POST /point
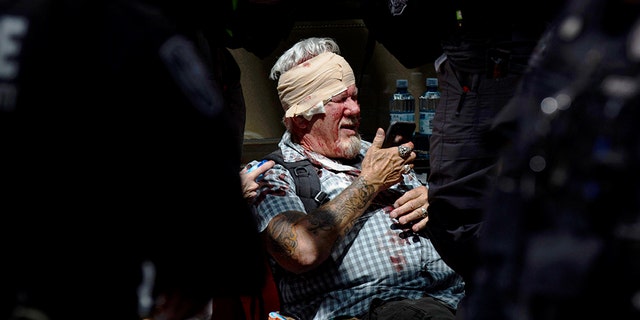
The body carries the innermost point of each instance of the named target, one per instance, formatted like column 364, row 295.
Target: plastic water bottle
column 427, row 104
column 402, row 104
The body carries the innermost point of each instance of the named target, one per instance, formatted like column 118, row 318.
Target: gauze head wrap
column 304, row 87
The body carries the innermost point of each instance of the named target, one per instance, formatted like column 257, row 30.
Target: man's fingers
column 379, row 138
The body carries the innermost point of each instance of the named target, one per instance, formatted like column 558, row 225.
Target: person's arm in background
column 249, row 174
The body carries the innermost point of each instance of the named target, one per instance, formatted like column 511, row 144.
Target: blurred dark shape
column 415, row 31
column 116, row 152
column 563, row 223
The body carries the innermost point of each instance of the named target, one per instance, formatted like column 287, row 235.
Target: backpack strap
column 306, row 179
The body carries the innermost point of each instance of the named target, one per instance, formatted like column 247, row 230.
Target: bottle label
column 402, row 107
column 426, row 122
column 395, row 116
column 402, row 116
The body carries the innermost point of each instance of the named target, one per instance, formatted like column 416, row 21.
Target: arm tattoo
column 344, row 209
column 337, row 216
column 283, row 233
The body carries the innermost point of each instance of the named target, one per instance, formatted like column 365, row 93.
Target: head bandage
column 304, row 87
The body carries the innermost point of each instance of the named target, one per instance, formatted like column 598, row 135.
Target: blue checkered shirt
column 372, row 260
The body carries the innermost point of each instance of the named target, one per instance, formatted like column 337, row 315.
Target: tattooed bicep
column 282, row 233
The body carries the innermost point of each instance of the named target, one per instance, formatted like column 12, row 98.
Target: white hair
column 302, row 51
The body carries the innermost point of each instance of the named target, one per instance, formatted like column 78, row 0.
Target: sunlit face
column 335, row 133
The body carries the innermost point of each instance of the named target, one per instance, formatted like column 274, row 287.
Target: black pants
column 463, row 155
column 426, row 308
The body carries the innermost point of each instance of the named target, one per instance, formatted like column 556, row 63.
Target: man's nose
column 352, row 107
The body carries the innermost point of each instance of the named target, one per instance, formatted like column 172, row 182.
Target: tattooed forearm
column 300, row 242
column 350, row 204
column 356, row 197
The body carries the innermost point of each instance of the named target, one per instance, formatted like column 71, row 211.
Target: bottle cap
column 402, row 83
column 432, row 82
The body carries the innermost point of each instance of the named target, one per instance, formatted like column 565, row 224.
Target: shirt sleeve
column 276, row 194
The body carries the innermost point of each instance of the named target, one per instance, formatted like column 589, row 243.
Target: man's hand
column 384, row 167
column 248, row 179
column 411, row 208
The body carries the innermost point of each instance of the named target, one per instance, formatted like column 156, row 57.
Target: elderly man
column 356, row 255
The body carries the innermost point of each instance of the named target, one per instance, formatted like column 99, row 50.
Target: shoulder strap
column 306, row 179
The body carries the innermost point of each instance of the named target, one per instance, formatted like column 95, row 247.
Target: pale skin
column 249, row 184
column 301, row 241
column 408, row 208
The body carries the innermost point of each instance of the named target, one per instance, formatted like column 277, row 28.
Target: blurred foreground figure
column 115, row 155
column 480, row 52
column 563, row 225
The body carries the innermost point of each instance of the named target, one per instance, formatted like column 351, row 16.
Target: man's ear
column 300, row 122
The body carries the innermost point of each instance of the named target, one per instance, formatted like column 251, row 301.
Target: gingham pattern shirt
column 372, row 260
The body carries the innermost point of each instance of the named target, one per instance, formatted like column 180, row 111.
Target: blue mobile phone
column 255, row 166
